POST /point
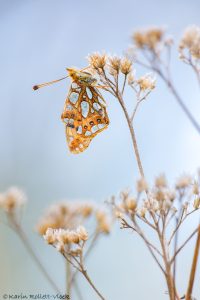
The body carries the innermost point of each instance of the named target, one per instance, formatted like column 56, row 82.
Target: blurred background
column 39, row 39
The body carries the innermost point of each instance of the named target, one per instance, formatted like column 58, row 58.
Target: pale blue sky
column 39, row 39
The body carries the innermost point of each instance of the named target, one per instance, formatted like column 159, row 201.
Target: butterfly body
column 81, row 77
column 84, row 111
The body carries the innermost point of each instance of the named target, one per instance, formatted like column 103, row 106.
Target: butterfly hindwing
column 84, row 116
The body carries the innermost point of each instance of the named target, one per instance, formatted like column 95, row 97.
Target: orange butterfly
column 84, row 113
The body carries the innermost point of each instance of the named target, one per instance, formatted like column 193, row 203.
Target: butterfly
column 84, row 114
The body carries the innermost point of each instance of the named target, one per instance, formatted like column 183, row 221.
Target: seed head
column 82, row 233
column 190, row 41
column 114, row 64
column 183, row 182
column 97, row 60
column 149, row 38
column 130, row 204
column 141, row 185
column 49, row 236
column 147, row 82
column 126, row 66
column 12, row 199
column 196, row 203
column 160, row 181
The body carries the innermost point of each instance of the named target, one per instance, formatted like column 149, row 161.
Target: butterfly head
column 81, row 77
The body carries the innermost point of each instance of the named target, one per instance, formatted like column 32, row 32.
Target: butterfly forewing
column 84, row 116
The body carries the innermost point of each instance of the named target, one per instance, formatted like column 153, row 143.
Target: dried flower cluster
column 158, row 209
column 146, row 82
column 66, row 215
column 148, row 38
column 114, row 64
column 161, row 200
column 191, row 42
column 151, row 49
column 69, row 215
column 62, row 227
column 12, row 200
column 64, row 239
column 71, row 244
column 103, row 63
column 189, row 49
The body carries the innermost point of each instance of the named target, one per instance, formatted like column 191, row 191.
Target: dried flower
column 60, row 247
column 131, row 78
column 87, row 210
column 97, row 60
column 60, row 238
column 149, row 38
column 103, row 223
column 82, row 233
column 12, row 199
column 130, row 204
column 183, row 182
column 147, row 82
column 196, row 203
column 73, row 237
column 118, row 214
column 142, row 212
column 160, row 181
column 126, row 66
column 49, row 236
column 159, row 195
column 191, row 34
column 67, row 215
column 151, row 205
column 196, row 188
column 114, row 64
column 190, row 41
column 171, row 195
column 141, row 185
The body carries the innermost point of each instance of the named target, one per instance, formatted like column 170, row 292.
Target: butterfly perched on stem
column 84, row 113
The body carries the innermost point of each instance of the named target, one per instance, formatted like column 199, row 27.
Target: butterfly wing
column 84, row 115
column 76, row 143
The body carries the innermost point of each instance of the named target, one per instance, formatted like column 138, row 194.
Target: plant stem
column 92, row 285
column 183, row 245
column 68, row 278
column 27, row 245
column 168, row 275
column 133, row 137
column 179, row 100
column 193, row 268
column 96, row 235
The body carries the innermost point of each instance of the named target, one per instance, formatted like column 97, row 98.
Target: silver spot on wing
column 89, row 93
column 94, row 128
column 75, row 85
column 88, row 133
column 73, row 97
column 96, row 106
column 84, row 108
column 66, row 120
column 79, row 130
column 101, row 126
column 69, row 107
column 71, row 121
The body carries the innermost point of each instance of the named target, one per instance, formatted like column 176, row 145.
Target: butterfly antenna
column 38, row 86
